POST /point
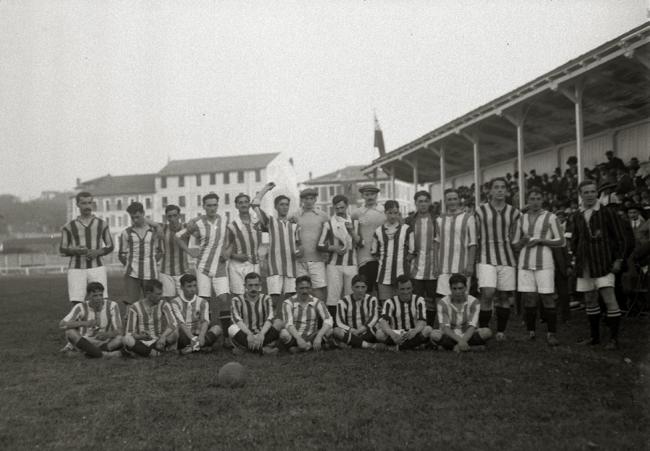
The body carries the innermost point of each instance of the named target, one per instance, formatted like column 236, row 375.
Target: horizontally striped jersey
column 497, row 230
column 283, row 238
column 252, row 313
column 245, row 239
column 304, row 315
column 107, row 316
column 174, row 261
column 425, row 263
column 459, row 318
column 456, row 233
column 150, row 320
column 335, row 232
column 190, row 312
column 352, row 313
column 140, row 253
column 211, row 236
column 544, row 226
column 392, row 246
column 96, row 235
column 404, row 315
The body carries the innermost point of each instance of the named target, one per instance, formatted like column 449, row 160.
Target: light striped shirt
column 283, row 238
column 304, row 315
column 497, row 232
column 404, row 315
column 392, row 246
column 174, row 261
column 351, row 313
column 252, row 313
column 459, row 318
column 456, row 233
column 140, row 252
column 425, row 264
column 190, row 312
column 75, row 233
column 327, row 238
column 107, row 317
column 245, row 239
column 149, row 320
column 543, row 226
column 211, row 236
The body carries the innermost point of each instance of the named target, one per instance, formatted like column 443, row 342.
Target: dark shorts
column 370, row 270
column 449, row 343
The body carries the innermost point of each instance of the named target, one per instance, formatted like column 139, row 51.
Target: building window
column 147, row 203
column 163, row 182
column 164, row 201
column 119, row 221
column 332, row 190
column 213, row 179
column 181, row 201
column 198, row 200
column 112, row 221
column 323, row 193
column 107, row 205
column 95, row 205
column 181, row 181
column 240, row 176
column 227, row 216
column 226, row 178
column 198, row 179
column 227, row 198
column 331, row 209
column 119, row 204
column 131, row 200
column 339, row 189
column 258, row 175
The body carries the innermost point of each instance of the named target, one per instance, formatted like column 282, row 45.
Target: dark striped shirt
column 392, row 249
column 351, row 313
column 253, row 314
column 497, row 229
column 75, row 233
column 140, row 252
column 327, row 238
column 404, row 315
column 174, row 261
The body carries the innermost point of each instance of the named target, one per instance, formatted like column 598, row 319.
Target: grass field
column 517, row 395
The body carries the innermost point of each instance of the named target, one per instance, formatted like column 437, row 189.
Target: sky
column 95, row 87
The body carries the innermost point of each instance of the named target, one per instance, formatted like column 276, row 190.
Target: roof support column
column 443, row 178
column 517, row 118
column 575, row 95
column 474, row 139
column 414, row 166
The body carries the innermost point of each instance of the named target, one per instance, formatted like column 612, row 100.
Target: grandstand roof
column 218, row 164
column 615, row 76
column 346, row 175
column 109, row 185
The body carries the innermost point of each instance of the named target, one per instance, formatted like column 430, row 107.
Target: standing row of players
column 514, row 252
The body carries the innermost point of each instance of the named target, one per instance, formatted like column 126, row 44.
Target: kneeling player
column 192, row 315
column 93, row 326
column 356, row 317
column 458, row 317
column 301, row 313
column 403, row 322
column 254, row 326
column 150, row 323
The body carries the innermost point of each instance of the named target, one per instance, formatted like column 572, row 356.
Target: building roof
column 109, row 185
column 346, row 175
column 218, row 164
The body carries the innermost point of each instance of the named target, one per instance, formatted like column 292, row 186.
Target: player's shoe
column 186, row 350
column 552, row 340
column 67, row 348
column 381, row 347
column 195, row 344
column 267, row 350
column 501, row 336
column 111, row 354
column 612, row 345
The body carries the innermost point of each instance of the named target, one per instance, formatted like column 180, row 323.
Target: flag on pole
column 379, row 138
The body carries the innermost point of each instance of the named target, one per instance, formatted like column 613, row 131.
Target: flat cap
column 309, row 192
column 370, row 188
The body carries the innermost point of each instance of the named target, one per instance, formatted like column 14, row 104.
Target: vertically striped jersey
column 352, row 313
column 497, row 230
column 107, row 317
column 392, row 247
column 190, row 312
column 404, row 315
column 425, row 264
column 304, row 315
column 252, row 313
column 459, row 318
column 140, row 252
column 544, row 226
column 211, row 236
column 245, row 239
column 76, row 234
column 283, row 237
column 335, row 232
column 150, row 320
column 456, row 233
column 174, row 261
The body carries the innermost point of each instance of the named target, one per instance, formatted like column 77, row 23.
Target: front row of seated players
column 154, row 325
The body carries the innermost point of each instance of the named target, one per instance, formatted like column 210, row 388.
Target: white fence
column 39, row 263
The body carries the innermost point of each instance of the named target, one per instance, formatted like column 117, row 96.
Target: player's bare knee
column 530, row 299
column 232, row 330
column 278, row 324
column 435, row 335
column 548, row 300
column 129, row 341
column 338, row 333
column 285, row 335
column 72, row 335
column 216, row 330
column 380, row 336
column 426, row 332
column 485, row 333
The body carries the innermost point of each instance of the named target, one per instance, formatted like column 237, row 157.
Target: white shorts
column 503, row 278
column 237, row 272
column 315, row 270
column 339, row 282
column 443, row 287
column 171, row 284
column 78, row 280
column 281, row 284
column 206, row 284
column 536, row 281
column 586, row 284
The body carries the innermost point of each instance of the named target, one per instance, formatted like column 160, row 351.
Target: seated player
column 458, row 318
column 301, row 314
column 403, row 323
column 150, row 323
column 356, row 317
column 94, row 326
column 192, row 315
column 254, row 326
